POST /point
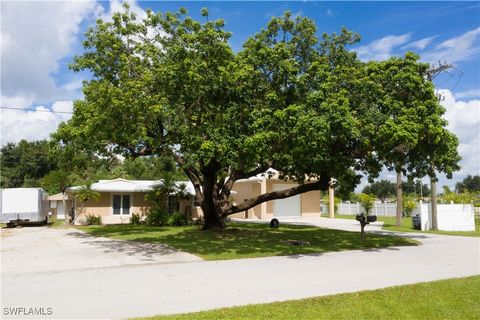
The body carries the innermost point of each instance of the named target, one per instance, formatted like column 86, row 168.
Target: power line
column 50, row 111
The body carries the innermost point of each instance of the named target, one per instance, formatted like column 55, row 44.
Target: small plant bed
column 249, row 240
column 407, row 226
column 446, row 299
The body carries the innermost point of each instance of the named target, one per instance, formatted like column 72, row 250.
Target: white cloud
column 381, row 49
column 474, row 93
column 36, row 36
column 464, row 120
column 117, row 6
column 31, row 125
column 329, row 12
column 461, row 48
column 419, row 44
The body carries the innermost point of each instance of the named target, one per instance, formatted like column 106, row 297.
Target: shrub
column 157, row 217
column 93, row 220
column 409, row 205
column 136, row 219
column 177, row 219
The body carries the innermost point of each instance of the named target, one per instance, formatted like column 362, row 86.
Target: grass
column 56, row 223
column 248, row 240
column 446, row 299
column 407, row 226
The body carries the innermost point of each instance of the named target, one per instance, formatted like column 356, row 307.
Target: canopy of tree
column 303, row 105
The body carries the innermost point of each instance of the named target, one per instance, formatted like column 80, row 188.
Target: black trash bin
column 417, row 222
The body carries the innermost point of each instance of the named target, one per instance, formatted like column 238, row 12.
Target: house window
column 121, row 204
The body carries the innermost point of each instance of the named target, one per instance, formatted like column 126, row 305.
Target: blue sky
column 40, row 38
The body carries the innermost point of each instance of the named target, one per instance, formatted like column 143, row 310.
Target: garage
column 288, row 207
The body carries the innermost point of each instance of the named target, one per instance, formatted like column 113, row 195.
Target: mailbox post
column 364, row 220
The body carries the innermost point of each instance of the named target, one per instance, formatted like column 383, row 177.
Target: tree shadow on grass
column 241, row 240
column 244, row 241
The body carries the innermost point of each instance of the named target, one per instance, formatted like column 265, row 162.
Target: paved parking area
column 44, row 249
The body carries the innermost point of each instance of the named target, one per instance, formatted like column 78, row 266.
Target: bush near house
column 93, row 220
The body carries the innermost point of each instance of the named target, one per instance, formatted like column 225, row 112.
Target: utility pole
column 431, row 74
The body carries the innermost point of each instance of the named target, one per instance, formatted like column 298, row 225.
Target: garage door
column 288, row 207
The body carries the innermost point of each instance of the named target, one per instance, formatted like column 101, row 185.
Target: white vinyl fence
column 379, row 209
column 450, row 217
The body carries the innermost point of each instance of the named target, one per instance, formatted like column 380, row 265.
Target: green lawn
column 56, row 223
column 407, row 226
column 242, row 240
column 447, row 299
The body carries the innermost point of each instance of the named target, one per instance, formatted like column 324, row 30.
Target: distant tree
column 470, row 183
column 416, row 187
column 381, row 189
column 24, row 163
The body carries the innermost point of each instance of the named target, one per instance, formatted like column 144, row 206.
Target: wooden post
column 433, row 190
column 331, row 202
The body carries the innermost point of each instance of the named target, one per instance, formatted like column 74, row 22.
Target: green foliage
column 303, row 105
column 93, row 220
column 470, row 183
column 157, row 217
column 409, row 204
column 136, row 219
column 461, row 198
column 381, row 189
column 177, row 219
column 367, row 201
column 416, row 188
column 24, row 163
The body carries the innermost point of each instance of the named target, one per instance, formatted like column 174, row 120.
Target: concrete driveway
column 43, row 249
column 149, row 288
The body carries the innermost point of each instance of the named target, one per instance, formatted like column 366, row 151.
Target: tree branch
column 321, row 184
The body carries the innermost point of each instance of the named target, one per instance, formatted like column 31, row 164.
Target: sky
column 39, row 39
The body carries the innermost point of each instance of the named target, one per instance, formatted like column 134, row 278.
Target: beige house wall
column 247, row 190
column 310, row 201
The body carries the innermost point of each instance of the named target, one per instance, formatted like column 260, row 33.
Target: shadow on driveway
column 132, row 248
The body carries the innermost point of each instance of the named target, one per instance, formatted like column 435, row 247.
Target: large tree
column 411, row 135
column 171, row 85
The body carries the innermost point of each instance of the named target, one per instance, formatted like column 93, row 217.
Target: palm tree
column 84, row 194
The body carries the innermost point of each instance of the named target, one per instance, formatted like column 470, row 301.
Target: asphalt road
column 110, row 291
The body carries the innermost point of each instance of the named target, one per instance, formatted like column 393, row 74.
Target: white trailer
column 23, row 205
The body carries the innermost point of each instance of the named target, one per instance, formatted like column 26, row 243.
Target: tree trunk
column 213, row 219
column 433, row 196
column 399, row 199
column 212, row 213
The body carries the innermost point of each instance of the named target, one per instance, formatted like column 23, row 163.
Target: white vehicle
column 23, row 205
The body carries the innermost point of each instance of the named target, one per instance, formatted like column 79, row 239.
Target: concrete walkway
column 156, row 288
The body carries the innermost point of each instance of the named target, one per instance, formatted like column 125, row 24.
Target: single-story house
column 58, row 204
column 120, row 198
